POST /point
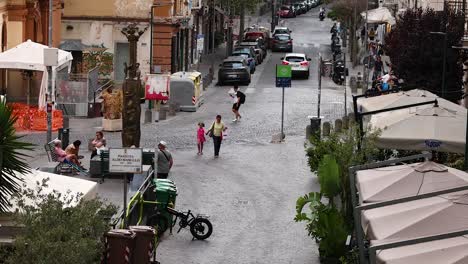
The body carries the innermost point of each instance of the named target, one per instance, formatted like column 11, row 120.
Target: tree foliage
column 59, row 228
column 12, row 156
column 417, row 55
column 343, row 146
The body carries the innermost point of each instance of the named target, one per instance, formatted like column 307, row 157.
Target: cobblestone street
column 251, row 190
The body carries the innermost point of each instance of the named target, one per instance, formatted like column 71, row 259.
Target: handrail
column 141, row 190
column 101, row 88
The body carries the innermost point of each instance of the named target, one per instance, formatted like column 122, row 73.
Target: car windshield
column 233, row 65
column 242, row 50
column 282, row 37
column 281, row 31
column 285, row 8
column 245, row 55
column 295, row 59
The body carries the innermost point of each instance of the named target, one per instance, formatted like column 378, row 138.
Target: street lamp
column 444, row 59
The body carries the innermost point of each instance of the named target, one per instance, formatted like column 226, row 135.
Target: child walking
column 200, row 137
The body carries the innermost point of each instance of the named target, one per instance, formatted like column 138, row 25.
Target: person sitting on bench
column 99, row 142
column 62, row 156
column 74, row 148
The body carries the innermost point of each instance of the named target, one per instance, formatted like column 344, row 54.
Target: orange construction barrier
column 31, row 118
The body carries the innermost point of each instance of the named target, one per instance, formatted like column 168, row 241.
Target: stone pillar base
column 112, row 125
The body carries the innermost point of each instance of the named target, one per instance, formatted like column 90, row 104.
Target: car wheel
column 307, row 74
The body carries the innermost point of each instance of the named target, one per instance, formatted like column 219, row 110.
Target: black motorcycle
column 200, row 227
column 339, row 72
column 322, row 15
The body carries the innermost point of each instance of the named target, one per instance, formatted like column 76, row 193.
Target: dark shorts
column 236, row 106
column 162, row 175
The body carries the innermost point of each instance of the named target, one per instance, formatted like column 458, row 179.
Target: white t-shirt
column 386, row 78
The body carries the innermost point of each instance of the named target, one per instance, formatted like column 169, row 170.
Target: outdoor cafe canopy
column 447, row 251
column 59, row 183
column 30, row 56
column 430, row 216
column 435, row 128
column 393, row 182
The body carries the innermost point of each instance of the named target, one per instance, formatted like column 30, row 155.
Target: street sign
column 125, row 160
column 283, row 75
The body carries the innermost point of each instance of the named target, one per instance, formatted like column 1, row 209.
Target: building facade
column 91, row 30
column 21, row 20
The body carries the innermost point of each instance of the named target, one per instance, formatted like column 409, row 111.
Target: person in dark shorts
column 238, row 99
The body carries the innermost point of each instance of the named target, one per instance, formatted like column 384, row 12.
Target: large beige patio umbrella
column 393, row 182
column 434, row 128
column 404, row 98
column 436, row 215
column 447, row 251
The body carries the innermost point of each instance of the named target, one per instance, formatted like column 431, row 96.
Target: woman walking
column 216, row 132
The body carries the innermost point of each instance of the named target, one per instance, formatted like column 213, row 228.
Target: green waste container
column 166, row 193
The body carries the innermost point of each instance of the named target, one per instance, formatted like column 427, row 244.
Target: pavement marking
column 249, row 90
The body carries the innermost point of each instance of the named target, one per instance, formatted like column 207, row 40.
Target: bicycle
column 200, row 227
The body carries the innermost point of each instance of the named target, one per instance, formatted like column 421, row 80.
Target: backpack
column 241, row 96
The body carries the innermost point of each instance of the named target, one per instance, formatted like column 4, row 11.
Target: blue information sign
column 283, row 82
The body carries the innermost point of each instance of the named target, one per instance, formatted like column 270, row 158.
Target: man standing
column 238, row 99
column 163, row 161
column 378, row 68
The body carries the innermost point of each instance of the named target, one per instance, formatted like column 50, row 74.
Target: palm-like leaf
column 12, row 161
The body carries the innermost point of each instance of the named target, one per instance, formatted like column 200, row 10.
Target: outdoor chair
column 64, row 167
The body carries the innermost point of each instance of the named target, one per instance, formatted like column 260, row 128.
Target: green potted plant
column 325, row 223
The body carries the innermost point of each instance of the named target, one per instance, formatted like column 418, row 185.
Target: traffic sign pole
column 282, row 116
column 283, row 80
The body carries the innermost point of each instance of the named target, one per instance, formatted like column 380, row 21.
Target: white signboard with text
column 125, row 160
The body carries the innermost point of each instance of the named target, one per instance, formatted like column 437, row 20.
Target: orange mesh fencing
column 31, row 118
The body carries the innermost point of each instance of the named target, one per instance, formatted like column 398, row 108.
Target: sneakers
column 234, row 120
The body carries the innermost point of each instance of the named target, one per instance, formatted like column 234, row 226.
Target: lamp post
column 444, row 63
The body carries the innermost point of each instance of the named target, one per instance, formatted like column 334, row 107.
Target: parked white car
column 300, row 63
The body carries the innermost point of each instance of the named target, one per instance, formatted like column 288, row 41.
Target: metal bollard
column 352, row 120
column 163, row 113
column 338, row 125
column 326, row 129
column 345, row 122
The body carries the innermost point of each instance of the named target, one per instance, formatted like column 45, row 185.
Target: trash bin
column 120, row 244
column 166, row 193
column 64, row 136
column 144, row 244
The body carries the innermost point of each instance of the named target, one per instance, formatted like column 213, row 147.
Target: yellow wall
column 15, row 33
column 107, row 8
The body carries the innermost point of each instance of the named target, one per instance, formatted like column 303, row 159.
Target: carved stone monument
column 131, row 101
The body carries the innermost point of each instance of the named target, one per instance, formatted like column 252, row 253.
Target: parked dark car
column 249, row 55
column 282, row 42
column 286, row 11
column 259, row 49
column 234, row 69
column 262, row 43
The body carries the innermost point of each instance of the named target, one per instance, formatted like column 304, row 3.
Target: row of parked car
column 298, row 8
column 247, row 54
column 251, row 51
